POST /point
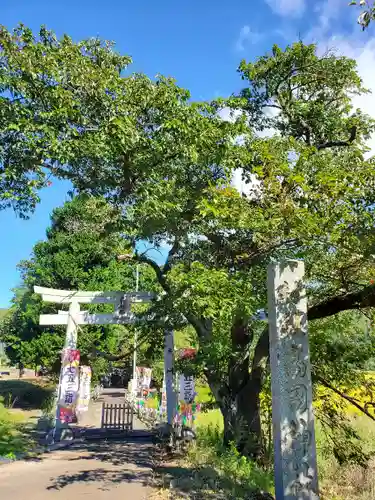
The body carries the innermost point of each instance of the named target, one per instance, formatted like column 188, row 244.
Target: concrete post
column 293, row 419
column 169, row 374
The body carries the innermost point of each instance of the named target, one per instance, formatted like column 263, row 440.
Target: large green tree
column 80, row 252
column 70, row 110
column 167, row 164
column 310, row 195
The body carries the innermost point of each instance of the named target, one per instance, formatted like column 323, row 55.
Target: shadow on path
column 120, row 462
column 116, row 453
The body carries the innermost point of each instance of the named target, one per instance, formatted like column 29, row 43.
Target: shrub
column 225, row 469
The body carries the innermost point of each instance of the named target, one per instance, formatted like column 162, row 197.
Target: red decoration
column 187, row 353
column 70, row 355
column 67, row 415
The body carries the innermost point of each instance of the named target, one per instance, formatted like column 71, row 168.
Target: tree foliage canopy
column 166, row 164
column 80, row 252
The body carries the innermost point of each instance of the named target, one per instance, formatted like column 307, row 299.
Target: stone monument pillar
column 293, row 419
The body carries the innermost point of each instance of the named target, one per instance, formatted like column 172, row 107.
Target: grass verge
column 15, row 434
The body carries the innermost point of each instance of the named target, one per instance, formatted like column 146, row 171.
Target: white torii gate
column 75, row 317
column 122, row 315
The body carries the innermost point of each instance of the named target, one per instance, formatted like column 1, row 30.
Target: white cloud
column 329, row 11
column 242, row 37
column 328, row 14
column 290, row 8
column 252, row 189
column 246, row 35
column 229, row 114
column 268, row 132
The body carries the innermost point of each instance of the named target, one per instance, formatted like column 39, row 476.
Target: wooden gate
column 117, row 417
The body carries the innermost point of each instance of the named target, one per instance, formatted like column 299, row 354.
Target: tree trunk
column 238, row 394
column 241, row 414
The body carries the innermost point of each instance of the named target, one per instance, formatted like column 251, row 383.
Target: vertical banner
column 143, row 378
column 187, row 408
column 84, row 388
column 69, row 384
column 163, row 403
column 187, row 388
column 146, row 381
column 138, row 379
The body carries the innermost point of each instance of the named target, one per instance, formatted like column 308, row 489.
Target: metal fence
column 117, row 416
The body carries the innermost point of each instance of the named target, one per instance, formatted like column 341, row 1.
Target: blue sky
column 200, row 43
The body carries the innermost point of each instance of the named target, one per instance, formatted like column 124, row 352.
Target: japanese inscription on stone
column 293, row 421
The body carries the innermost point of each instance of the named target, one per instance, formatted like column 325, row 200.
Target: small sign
column 187, row 388
column 84, row 389
column 122, row 309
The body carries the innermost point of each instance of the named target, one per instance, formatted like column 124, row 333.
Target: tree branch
column 202, row 326
column 172, row 252
column 109, row 357
column 343, row 395
column 356, row 300
column 142, row 258
column 276, row 106
column 331, row 144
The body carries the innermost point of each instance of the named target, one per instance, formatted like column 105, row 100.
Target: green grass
column 236, row 477
column 337, row 482
column 18, row 425
column 203, row 394
column 348, row 481
column 211, row 418
column 14, row 434
column 220, row 472
column 25, row 393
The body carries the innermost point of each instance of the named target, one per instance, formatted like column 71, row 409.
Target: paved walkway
column 97, row 470
column 102, row 470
